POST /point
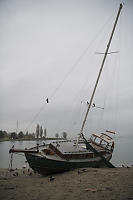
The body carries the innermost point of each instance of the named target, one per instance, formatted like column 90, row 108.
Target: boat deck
column 72, row 148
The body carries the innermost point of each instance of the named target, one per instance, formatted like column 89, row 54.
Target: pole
column 17, row 128
column 101, row 68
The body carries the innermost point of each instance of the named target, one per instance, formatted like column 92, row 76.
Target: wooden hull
column 47, row 166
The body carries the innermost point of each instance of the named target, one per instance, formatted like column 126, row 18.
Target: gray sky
column 48, row 50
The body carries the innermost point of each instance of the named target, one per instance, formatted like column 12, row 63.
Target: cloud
column 48, row 50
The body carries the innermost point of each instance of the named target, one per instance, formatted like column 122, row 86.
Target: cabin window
column 104, row 144
column 109, row 147
column 97, row 140
column 93, row 138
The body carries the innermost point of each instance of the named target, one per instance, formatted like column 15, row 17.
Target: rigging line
column 101, row 68
column 74, row 123
column 35, row 116
column 79, row 99
column 81, row 56
column 73, row 67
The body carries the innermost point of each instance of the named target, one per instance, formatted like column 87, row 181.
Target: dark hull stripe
column 47, row 166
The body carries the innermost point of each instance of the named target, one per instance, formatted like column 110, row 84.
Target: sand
column 90, row 183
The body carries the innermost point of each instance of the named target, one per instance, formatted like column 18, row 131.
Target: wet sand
column 90, row 183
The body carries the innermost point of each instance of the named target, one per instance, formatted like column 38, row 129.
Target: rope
column 34, row 118
column 82, row 55
column 10, row 164
column 69, row 72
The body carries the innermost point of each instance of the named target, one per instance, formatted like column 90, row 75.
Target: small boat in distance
column 60, row 156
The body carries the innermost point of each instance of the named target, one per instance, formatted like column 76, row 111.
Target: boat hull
column 47, row 166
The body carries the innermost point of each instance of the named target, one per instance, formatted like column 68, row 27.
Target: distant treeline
column 14, row 135
column 40, row 133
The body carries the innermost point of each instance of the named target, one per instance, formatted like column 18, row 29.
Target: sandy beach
column 83, row 184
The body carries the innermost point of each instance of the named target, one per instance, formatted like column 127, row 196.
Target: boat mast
column 100, row 71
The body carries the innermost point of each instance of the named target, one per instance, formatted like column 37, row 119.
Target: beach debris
column 79, row 172
column 2, row 177
column 16, row 173
column 82, row 171
column 51, row 178
column 90, row 190
column 9, row 188
column 94, row 170
column 108, row 188
column 30, row 174
column 11, row 170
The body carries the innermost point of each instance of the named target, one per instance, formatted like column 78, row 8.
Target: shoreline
column 90, row 183
column 29, row 139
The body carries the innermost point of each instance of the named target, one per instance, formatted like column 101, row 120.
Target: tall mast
column 101, row 68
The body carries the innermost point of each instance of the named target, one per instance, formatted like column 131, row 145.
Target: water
column 123, row 152
column 18, row 159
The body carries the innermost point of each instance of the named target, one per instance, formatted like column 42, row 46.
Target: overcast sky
column 48, row 50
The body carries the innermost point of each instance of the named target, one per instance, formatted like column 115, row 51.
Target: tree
column 2, row 135
column 13, row 135
column 57, row 135
column 45, row 132
column 64, row 134
column 5, row 134
column 33, row 135
column 41, row 131
column 20, row 135
column 27, row 133
column 37, row 131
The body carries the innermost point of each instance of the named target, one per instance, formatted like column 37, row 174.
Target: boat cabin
column 68, row 150
column 103, row 140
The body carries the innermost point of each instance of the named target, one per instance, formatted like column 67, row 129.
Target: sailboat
column 59, row 156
